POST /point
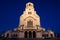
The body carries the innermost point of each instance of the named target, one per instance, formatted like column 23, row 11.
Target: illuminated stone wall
column 29, row 14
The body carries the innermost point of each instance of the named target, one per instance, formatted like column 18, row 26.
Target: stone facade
column 29, row 25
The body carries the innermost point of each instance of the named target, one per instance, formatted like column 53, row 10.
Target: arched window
column 30, row 34
column 34, row 34
column 29, row 12
column 29, row 23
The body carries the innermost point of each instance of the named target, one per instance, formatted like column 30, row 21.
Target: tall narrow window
column 30, row 34
column 29, row 23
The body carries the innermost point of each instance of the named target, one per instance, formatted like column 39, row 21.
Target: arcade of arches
column 30, row 34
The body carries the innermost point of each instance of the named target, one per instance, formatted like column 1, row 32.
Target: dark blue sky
column 48, row 10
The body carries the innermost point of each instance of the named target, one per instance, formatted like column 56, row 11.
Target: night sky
column 48, row 10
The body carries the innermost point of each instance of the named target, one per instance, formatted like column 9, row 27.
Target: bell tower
column 29, row 17
column 29, row 7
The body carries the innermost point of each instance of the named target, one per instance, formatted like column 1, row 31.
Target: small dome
column 29, row 4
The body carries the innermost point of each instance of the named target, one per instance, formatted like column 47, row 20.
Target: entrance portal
column 30, row 34
column 26, row 34
column 34, row 34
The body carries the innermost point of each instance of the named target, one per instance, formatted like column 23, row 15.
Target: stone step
column 29, row 39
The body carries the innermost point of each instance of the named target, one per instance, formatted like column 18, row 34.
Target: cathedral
column 29, row 25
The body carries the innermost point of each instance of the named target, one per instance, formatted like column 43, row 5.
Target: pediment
column 29, row 17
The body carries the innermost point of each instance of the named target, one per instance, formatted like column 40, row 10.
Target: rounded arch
column 25, row 34
column 30, row 34
column 29, row 17
column 52, row 35
column 34, row 34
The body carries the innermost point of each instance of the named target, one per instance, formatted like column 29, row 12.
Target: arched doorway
column 7, row 35
column 30, row 34
column 34, row 34
column 51, row 35
column 26, row 34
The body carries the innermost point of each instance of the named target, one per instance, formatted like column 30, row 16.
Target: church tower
column 29, row 18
